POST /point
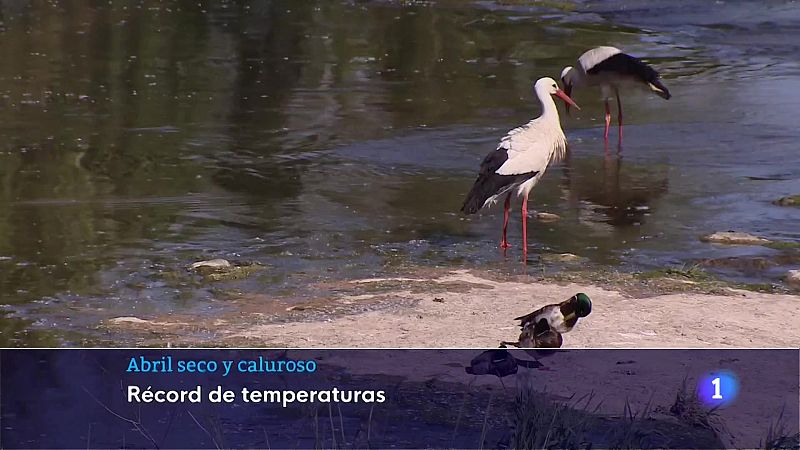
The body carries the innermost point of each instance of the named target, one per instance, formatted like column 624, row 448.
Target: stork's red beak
column 568, row 91
column 560, row 94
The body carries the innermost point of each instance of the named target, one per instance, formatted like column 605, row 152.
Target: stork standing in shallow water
column 521, row 159
column 610, row 69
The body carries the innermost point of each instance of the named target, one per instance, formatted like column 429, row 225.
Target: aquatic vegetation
column 782, row 245
column 691, row 272
column 562, row 5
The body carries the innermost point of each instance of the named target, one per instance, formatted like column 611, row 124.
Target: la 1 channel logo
column 717, row 389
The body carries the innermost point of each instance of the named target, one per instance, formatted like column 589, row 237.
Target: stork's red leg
column 619, row 116
column 524, row 227
column 608, row 121
column 504, row 241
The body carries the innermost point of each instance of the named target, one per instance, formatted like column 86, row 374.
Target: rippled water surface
column 335, row 139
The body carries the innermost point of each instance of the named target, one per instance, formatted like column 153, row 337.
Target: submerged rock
column 793, row 277
column 133, row 320
column 790, row 200
column 224, row 270
column 561, row 257
column 547, row 217
column 212, row 264
column 734, row 238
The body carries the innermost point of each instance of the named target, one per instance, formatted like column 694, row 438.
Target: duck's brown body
column 538, row 336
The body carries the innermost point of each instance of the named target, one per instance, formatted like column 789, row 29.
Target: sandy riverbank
column 466, row 309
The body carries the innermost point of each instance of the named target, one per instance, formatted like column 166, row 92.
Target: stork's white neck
column 549, row 109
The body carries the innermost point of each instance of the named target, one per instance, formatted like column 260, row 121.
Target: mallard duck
column 543, row 327
column 561, row 317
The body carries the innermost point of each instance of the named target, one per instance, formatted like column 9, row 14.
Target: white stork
column 610, row 69
column 519, row 161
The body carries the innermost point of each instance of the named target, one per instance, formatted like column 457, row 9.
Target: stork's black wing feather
column 624, row 64
column 493, row 161
column 630, row 66
column 490, row 183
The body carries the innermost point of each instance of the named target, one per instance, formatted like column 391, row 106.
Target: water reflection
column 626, row 194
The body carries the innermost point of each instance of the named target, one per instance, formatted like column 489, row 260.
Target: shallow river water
column 337, row 139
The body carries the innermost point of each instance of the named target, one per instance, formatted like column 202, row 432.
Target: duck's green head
column 583, row 305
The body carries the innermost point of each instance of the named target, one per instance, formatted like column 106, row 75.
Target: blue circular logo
column 717, row 389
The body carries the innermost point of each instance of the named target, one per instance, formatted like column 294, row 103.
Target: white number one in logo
column 716, row 383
